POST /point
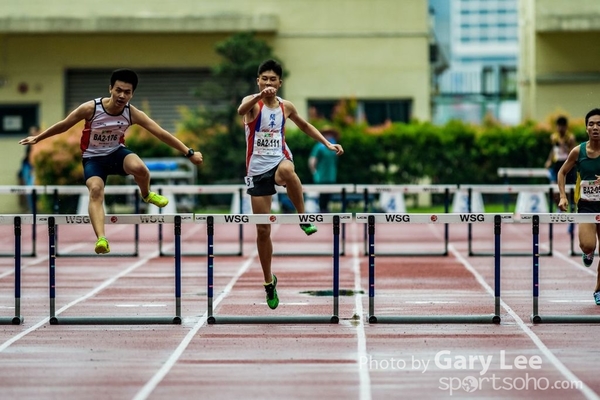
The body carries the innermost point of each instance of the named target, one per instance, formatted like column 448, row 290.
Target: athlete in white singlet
column 103, row 146
column 269, row 160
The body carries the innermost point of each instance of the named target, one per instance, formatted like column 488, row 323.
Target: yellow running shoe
column 102, row 246
column 156, row 199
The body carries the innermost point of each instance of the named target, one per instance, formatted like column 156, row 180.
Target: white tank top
column 265, row 140
column 104, row 133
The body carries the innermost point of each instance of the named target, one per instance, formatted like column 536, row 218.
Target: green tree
column 234, row 78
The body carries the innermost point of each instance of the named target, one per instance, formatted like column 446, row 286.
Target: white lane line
column 106, row 283
column 172, row 360
column 567, row 373
column 361, row 337
column 166, row 367
column 94, row 291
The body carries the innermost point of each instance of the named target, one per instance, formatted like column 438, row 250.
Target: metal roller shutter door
column 160, row 93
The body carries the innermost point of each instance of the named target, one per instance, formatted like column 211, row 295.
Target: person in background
column 586, row 159
column 269, row 160
column 26, row 174
column 563, row 142
column 323, row 165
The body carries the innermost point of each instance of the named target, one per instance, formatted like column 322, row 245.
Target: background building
column 480, row 39
column 55, row 55
column 559, row 64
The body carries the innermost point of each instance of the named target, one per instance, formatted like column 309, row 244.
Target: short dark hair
column 562, row 121
column 124, row 75
column 270, row 65
column 595, row 111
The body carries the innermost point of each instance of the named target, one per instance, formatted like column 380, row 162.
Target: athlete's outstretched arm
column 142, row 119
column 84, row 111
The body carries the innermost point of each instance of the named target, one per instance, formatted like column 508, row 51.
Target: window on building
column 508, row 81
column 373, row 111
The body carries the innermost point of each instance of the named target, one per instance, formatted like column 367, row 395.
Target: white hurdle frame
column 507, row 189
column 211, row 220
column 408, row 189
column 17, row 221
column 373, row 218
column 202, row 190
column 34, row 191
column 57, row 190
column 554, row 218
column 342, row 190
column 53, row 221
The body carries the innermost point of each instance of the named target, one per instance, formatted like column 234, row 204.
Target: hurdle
column 407, row 189
column 505, row 189
column 372, row 219
column 535, row 220
column 26, row 190
column 81, row 219
column 54, row 220
column 211, row 220
column 203, row 190
column 342, row 190
column 17, row 221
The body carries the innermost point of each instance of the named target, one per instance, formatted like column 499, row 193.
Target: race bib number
column 249, row 182
column 589, row 190
column 267, row 143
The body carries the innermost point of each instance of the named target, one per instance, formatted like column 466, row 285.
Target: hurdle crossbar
column 342, row 190
column 373, row 219
column 196, row 190
column 32, row 191
column 535, row 220
column 505, row 189
column 84, row 219
column 17, row 221
column 210, row 220
column 54, row 220
column 408, row 189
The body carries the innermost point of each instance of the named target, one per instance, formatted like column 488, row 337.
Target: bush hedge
column 397, row 153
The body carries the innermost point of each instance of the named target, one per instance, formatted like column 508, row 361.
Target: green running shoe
column 588, row 260
column 271, row 289
column 309, row 229
column 156, row 199
column 102, row 246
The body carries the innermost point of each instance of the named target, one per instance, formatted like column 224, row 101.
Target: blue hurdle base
column 115, row 320
column 16, row 320
column 565, row 319
column 435, row 319
column 233, row 319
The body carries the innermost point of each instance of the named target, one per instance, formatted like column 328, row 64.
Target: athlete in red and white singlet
column 104, row 133
column 265, row 140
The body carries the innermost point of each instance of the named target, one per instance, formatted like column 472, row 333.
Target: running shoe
column 271, row 289
column 588, row 260
column 309, row 229
column 597, row 297
column 102, row 246
column 156, row 199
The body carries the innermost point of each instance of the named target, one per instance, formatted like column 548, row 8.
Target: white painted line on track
column 361, row 337
column 172, row 360
column 94, row 291
column 567, row 373
column 164, row 370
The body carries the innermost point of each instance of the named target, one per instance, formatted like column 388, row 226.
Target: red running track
column 349, row 360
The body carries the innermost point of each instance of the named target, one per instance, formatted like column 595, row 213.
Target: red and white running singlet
column 265, row 140
column 104, row 133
